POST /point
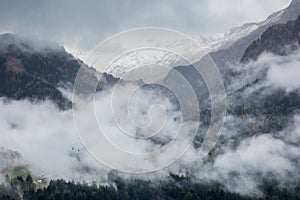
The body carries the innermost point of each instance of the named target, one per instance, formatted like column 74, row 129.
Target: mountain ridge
column 275, row 39
column 37, row 70
column 235, row 52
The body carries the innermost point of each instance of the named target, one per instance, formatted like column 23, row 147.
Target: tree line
column 127, row 189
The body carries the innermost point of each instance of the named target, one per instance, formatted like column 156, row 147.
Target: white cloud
column 285, row 75
column 259, row 154
column 48, row 142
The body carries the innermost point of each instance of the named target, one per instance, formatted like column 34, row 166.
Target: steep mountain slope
column 223, row 48
column 185, row 48
column 258, row 106
column 37, row 70
column 235, row 52
column 278, row 39
column 34, row 72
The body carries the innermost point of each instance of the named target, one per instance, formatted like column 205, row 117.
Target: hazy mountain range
column 259, row 64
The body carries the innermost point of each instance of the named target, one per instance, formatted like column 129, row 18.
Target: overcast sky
column 82, row 24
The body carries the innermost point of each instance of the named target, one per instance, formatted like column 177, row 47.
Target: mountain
column 237, row 33
column 34, row 71
column 260, row 139
column 223, row 49
column 278, row 39
column 234, row 52
column 248, row 93
column 37, row 70
column 184, row 47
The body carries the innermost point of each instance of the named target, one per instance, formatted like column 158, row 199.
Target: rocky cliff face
column 278, row 39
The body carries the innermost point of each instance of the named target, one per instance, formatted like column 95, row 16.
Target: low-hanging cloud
column 49, row 143
column 47, row 139
column 285, row 73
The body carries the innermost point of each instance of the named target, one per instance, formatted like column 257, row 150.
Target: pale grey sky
column 82, row 24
